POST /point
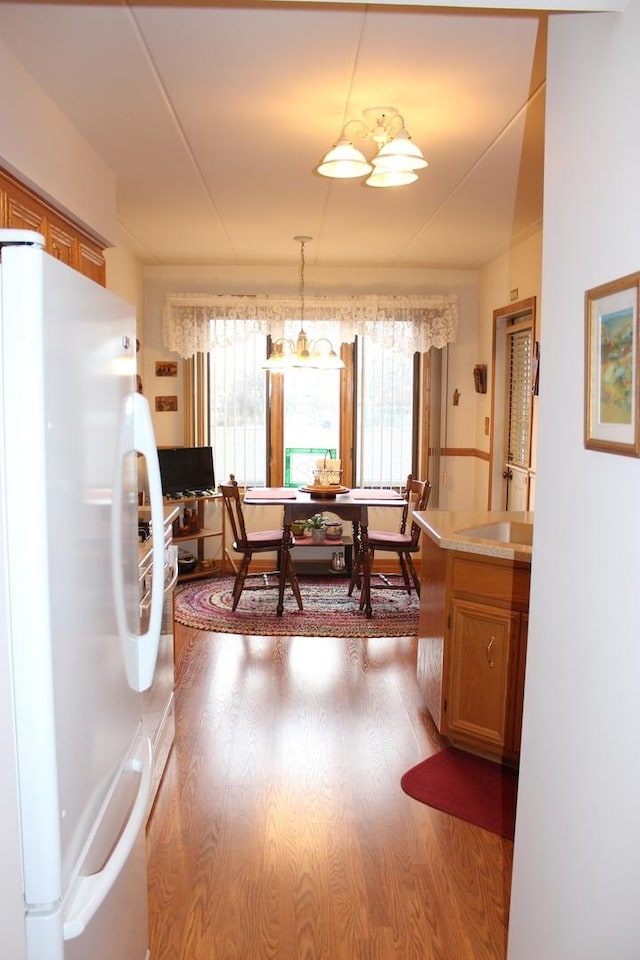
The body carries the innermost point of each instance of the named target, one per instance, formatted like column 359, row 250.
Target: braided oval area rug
column 328, row 610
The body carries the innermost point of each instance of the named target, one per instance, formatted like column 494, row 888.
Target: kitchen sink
column 503, row 531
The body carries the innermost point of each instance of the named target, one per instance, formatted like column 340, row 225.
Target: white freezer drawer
column 104, row 914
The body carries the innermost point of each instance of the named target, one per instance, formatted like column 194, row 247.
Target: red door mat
column 468, row 787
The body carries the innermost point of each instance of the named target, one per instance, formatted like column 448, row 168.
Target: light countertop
column 444, row 528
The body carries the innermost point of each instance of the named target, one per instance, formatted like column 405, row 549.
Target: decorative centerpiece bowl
column 333, row 530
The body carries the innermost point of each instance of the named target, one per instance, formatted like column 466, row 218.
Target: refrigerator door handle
column 140, row 650
column 92, row 890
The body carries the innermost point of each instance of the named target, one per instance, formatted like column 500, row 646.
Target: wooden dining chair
column 261, row 541
column 404, row 543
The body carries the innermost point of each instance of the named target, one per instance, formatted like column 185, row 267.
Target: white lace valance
column 409, row 323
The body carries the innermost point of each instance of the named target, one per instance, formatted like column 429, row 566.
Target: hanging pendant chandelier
column 304, row 353
column 396, row 161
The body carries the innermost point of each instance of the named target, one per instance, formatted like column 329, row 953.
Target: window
column 384, row 413
column 238, row 409
column 386, row 417
column 312, row 409
column 245, row 414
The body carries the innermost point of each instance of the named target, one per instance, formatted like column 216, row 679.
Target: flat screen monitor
column 186, row 470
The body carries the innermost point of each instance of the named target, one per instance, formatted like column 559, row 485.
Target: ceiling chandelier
column 304, row 353
column 396, row 161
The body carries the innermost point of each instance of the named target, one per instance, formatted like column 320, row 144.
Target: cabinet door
column 24, row 216
column 61, row 243
column 91, row 262
column 478, row 670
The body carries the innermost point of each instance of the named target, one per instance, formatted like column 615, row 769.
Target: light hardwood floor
column 280, row 829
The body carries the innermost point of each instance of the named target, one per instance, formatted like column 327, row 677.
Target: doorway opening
column 512, row 473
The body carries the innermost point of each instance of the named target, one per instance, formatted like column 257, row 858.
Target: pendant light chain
column 318, row 355
column 302, row 343
column 301, row 288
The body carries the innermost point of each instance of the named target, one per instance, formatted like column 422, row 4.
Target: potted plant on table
column 316, row 524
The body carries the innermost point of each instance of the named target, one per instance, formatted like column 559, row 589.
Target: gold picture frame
column 166, row 404
column 612, row 355
column 166, row 368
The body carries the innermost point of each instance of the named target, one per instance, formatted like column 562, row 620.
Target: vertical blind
column 519, row 361
column 228, row 399
column 237, row 403
column 385, row 416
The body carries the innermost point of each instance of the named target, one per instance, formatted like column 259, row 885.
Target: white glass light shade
column 324, row 357
column 382, row 177
column 314, row 355
column 400, row 154
column 277, row 364
column 344, row 162
column 280, row 356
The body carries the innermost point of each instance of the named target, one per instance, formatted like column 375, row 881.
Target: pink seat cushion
column 264, row 538
column 386, row 540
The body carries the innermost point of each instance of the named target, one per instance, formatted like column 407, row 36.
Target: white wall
column 125, row 278
column 457, row 472
column 519, row 273
column 38, row 143
column 464, row 479
column 575, row 880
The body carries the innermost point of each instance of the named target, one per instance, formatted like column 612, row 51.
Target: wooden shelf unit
column 204, row 568
column 315, row 558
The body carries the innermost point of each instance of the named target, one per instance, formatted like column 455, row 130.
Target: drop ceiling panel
column 213, row 117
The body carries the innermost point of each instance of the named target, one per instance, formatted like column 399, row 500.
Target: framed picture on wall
column 166, row 368
column 612, row 408
column 166, row 404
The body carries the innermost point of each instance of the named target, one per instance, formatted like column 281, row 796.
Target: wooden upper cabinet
column 91, row 261
column 60, row 242
column 23, row 216
column 20, row 209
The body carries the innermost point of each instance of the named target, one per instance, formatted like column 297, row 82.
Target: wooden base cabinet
column 477, row 620
column 479, row 666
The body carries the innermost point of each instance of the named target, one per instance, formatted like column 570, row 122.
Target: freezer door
column 68, row 356
column 106, row 911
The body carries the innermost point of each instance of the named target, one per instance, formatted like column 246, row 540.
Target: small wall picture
column 612, row 392
column 166, row 368
column 166, row 404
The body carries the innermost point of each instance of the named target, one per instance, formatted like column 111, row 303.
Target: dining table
column 300, row 503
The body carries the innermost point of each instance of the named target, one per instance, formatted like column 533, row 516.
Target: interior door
column 513, row 406
column 518, row 411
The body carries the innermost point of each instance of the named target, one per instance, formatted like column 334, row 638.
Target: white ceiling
column 213, row 116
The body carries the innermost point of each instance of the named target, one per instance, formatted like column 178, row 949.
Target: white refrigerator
column 76, row 770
